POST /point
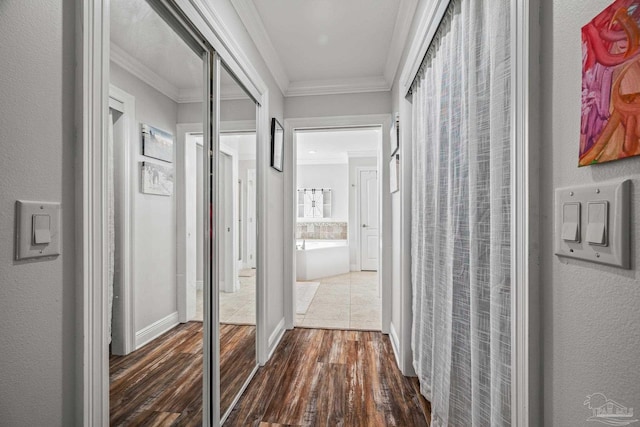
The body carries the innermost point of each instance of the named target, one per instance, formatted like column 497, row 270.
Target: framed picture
column 277, row 145
column 394, row 173
column 610, row 85
column 156, row 179
column 157, row 143
column 395, row 135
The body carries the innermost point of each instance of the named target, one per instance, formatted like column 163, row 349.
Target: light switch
column 37, row 230
column 571, row 222
column 601, row 214
column 597, row 216
column 41, row 229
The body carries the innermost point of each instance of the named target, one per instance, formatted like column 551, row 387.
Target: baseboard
column 199, row 285
column 395, row 344
column 154, row 330
column 276, row 337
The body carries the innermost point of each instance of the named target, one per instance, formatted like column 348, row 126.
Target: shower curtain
column 461, row 217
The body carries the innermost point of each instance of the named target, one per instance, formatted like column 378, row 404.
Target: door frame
column 382, row 121
column 127, row 214
column 92, row 90
column 358, row 208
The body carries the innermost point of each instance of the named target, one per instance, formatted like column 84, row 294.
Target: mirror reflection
column 237, row 238
column 155, row 285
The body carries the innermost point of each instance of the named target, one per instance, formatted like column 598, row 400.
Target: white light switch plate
column 616, row 249
column 25, row 242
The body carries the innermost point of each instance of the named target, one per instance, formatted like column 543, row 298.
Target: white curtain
column 461, row 217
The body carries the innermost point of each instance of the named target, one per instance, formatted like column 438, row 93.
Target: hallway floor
column 348, row 301
column 327, row 377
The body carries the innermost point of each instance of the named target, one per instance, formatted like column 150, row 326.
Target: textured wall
column 37, row 299
column 590, row 313
column 155, row 216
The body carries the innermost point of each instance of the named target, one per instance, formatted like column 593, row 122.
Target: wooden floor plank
column 331, row 378
column 161, row 383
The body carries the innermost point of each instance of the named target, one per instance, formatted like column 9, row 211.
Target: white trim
column 181, row 96
column 395, row 342
column 127, row 214
column 427, row 27
column 276, row 337
column 406, row 12
column 525, row 355
column 338, row 86
column 290, row 191
column 91, row 113
column 157, row 328
column 183, row 194
column 141, row 71
column 255, row 27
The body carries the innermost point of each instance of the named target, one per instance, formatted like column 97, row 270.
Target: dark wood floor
column 161, row 384
column 331, row 378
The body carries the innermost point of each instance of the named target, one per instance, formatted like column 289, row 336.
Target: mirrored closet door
column 158, row 285
column 236, row 238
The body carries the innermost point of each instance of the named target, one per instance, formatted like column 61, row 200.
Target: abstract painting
column 157, row 143
column 610, row 128
column 156, row 179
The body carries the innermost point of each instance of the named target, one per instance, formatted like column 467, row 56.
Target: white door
column 251, row 219
column 369, row 233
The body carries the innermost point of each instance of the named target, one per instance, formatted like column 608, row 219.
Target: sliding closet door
column 236, row 239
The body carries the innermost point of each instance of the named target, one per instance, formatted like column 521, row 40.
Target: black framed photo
column 277, row 145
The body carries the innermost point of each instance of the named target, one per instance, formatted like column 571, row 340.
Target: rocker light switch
column 571, row 222
column 41, row 229
column 37, row 230
column 597, row 215
column 602, row 212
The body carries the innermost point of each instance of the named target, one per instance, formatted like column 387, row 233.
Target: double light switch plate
column 593, row 224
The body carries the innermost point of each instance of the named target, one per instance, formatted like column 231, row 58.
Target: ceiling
column 336, row 146
column 146, row 46
column 329, row 46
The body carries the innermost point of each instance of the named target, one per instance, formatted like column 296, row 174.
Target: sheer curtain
column 461, row 217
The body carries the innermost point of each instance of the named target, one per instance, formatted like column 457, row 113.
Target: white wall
column 335, row 177
column 38, row 350
column 240, row 109
column 590, row 313
column 350, row 104
column 354, row 222
column 155, row 216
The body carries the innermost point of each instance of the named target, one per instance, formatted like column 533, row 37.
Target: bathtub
column 321, row 258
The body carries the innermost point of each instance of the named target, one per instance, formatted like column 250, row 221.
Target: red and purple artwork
column 610, row 127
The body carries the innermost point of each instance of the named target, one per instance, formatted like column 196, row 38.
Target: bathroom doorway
column 337, row 188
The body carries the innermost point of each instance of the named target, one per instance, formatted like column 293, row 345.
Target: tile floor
column 238, row 308
column 348, row 301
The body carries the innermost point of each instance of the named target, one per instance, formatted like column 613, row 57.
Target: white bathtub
column 321, row 258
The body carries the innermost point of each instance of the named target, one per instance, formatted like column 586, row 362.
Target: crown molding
column 338, row 86
column 255, row 27
column 406, row 13
column 144, row 73
column 150, row 77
